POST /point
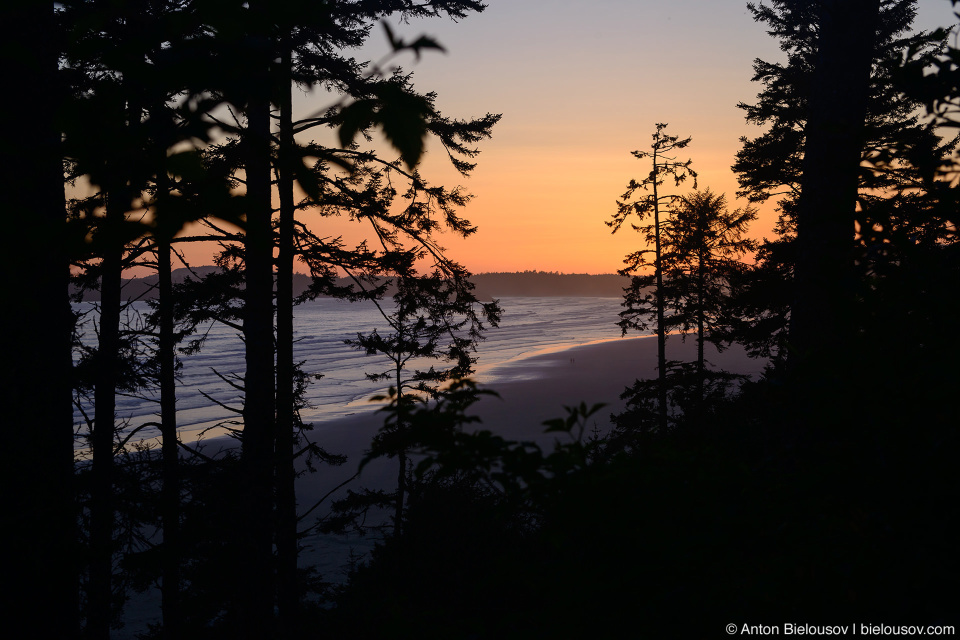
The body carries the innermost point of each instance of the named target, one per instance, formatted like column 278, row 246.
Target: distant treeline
column 489, row 285
column 544, row 283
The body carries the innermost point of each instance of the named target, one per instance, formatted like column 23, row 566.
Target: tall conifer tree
column 890, row 205
column 638, row 299
column 38, row 460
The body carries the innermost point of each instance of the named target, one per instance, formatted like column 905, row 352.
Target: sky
column 581, row 84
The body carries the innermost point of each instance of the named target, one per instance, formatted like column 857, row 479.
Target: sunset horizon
column 442, row 319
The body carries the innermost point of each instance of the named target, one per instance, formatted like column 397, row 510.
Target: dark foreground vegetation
column 823, row 493
column 757, row 518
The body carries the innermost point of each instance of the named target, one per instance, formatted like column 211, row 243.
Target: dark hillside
column 489, row 285
column 543, row 283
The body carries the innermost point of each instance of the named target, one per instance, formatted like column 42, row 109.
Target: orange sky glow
column 580, row 85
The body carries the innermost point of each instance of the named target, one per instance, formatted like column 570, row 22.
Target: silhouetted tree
column 701, row 249
column 707, row 243
column 302, row 43
column 435, row 319
column 640, row 303
column 127, row 75
column 105, row 90
column 368, row 195
column 933, row 77
column 40, row 517
column 892, row 206
column 833, row 147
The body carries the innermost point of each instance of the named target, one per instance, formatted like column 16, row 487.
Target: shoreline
column 530, row 388
column 529, row 391
column 535, row 387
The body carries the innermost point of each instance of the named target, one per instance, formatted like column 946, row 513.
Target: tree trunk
column 257, row 458
column 170, row 498
column 401, row 493
column 402, row 453
column 701, row 365
column 120, row 194
column 288, row 595
column 661, row 330
column 41, row 517
column 100, row 593
column 820, row 315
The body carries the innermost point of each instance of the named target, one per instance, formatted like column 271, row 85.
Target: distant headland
column 549, row 283
column 488, row 285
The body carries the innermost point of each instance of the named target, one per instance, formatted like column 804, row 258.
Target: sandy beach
column 535, row 388
column 531, row 390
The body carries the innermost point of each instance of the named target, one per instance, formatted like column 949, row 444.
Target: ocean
column 529, row 326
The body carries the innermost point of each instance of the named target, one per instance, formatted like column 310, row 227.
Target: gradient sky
column 580, row 84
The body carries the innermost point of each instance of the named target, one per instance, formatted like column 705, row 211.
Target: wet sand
column 530, row 390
